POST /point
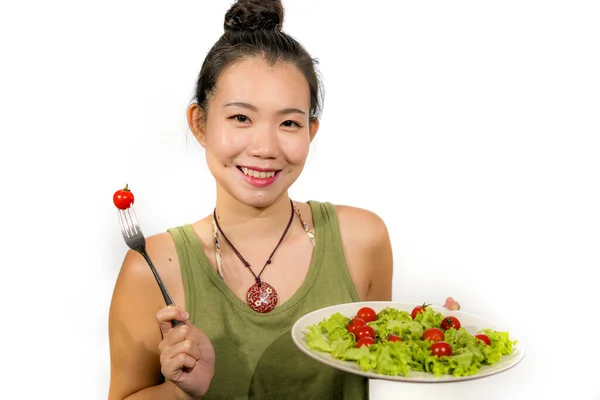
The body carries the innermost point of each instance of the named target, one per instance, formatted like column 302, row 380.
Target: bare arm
column 134, row 335
column 368, row 251
column 382, row 264
column 159, row 392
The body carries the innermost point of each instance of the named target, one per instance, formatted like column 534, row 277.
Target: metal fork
column 132, row 233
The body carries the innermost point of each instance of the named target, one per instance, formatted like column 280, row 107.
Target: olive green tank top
column 255, row 355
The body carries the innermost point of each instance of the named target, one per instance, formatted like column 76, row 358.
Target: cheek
column 296, row 151
column 222, row 143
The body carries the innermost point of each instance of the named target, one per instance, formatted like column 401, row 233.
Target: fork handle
column 161, row 285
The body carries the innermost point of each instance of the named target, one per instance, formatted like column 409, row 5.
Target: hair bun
column 253, row 15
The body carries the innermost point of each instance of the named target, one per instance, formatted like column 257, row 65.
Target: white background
column 470, row 127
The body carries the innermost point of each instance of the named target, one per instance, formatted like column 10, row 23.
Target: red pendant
column 262, row 299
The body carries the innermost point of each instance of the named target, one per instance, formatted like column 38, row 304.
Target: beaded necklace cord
column 261, row 296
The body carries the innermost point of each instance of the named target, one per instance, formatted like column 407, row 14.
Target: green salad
column 394, row 342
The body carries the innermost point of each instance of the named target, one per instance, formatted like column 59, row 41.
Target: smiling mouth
column 258, row 174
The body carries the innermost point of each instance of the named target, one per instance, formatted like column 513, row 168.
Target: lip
column 259, row 182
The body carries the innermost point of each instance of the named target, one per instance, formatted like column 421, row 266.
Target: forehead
column 254, row 81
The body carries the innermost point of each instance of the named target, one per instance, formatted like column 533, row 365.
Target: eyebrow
column 251, row 107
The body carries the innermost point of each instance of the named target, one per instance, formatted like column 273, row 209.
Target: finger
column 188, row 347
column 174, row 336
column 173, row 367
column 183, row 332
column 170, row 313
column 166, row 315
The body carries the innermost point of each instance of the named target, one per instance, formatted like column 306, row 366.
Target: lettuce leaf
column 412, row 353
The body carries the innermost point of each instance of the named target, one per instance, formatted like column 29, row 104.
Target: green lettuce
column 469, row 354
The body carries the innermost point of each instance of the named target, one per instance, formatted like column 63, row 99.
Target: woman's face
column 257, row 132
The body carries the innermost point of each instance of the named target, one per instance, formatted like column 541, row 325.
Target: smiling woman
column 244, row 273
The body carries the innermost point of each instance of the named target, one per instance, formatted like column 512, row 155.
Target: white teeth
column 258, row 174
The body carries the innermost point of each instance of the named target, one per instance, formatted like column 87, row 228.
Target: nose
column 265, row 142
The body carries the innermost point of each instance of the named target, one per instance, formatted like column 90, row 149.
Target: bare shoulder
column 161, row 250
column 359, row 223
column 368, row 251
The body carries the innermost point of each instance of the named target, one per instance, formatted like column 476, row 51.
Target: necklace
column 261, row 297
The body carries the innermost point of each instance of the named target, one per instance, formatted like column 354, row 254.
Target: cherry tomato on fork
column 123, row 198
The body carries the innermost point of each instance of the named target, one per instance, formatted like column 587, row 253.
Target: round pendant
column 262, row 299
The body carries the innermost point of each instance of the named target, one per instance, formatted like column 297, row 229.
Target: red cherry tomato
column 364, row 331
column 367, row 314
column 356, row 322
column 123, row 198
column 365, row 341
column 394, row 338
column 450, row 322
column 484, row 338
column 433, row 334
column 440, row 349
column 417, row 310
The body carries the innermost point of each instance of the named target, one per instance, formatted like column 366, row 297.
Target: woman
column 245, row 273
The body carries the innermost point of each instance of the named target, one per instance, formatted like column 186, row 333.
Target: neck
column 239, row 219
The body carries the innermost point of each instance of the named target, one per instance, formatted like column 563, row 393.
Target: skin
column 257, row 117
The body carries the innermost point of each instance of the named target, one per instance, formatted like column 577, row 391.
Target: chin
column 260, row 199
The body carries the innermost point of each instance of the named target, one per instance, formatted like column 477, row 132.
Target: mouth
column 259, row 173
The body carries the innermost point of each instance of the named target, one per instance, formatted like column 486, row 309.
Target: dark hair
column 253, row 29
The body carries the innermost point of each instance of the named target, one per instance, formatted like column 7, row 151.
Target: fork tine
column 127, row 217
column 122, row 221
column 134, row 220
column 129, row 228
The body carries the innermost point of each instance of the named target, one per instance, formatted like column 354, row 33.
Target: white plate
column 470, row 322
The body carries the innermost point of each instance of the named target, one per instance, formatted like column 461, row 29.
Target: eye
column 291, row 124
column 240, row 118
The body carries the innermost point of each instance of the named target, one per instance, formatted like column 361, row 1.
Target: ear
column 197, row 122
column 313, row 127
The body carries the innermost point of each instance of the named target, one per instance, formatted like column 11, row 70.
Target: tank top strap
column 334, row 263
